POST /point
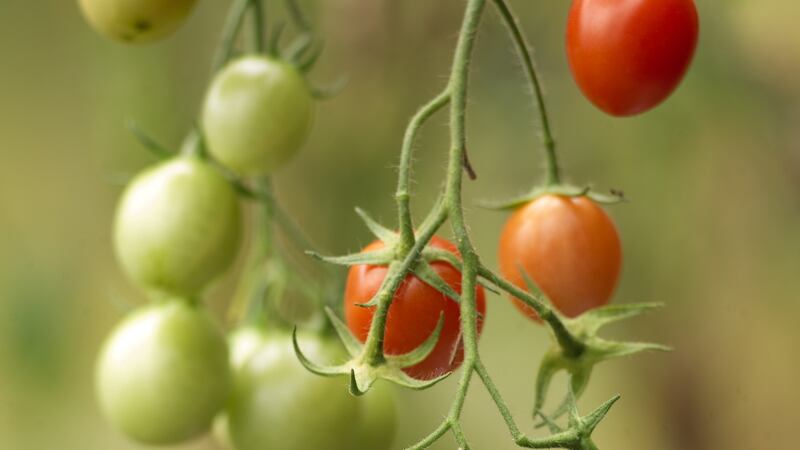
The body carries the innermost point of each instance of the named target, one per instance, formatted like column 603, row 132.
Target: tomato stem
column 525, row 53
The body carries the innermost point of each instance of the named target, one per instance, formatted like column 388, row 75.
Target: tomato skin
column 414, row 313
column 162, row 375
column 177, row 227
column 257, row 114
column 376, row 422
column 136, row 21
column 378, row 418
column 628, row 56
column 568, row 246
column 277, row 404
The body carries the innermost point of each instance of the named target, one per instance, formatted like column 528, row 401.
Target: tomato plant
column 568, row 246
column 178, row 227
column 163, row 375
column 629, row 55
column 414, row 312
column 414, row 304
column 136, row 21
column 257, row 114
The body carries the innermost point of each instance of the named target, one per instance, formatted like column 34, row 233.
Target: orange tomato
column 568, row 246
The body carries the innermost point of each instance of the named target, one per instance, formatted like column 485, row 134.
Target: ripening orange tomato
column 568, row 246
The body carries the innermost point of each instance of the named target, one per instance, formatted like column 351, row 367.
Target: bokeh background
column 713, row 228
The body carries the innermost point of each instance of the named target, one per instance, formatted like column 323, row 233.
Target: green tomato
column 277, row 404
column 163, row 374
column 136, row 21
column 257, row 114
column 378, row 418
column 178, row 227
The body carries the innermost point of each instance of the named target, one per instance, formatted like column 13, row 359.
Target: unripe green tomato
column 136, row 21
column 257, row 114
column 178, row 227
column 277, row 404
column 163, row 373
column 378, row 424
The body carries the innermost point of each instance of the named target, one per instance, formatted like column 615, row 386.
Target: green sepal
column 425, row 272
column 325, row 371
column 419, row 354
column 148, row 142
column 564, row 190
column 384, row 234
column 402, row 379
column 378, row 257
column 596, row 349
column 353, row 346
column 331, row 90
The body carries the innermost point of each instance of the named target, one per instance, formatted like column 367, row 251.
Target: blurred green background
column 712, row 229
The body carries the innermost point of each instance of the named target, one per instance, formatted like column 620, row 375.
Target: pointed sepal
column 378, row 257
column 351, row 343
column 325, row 371
column 419, row 354
column 384, row 234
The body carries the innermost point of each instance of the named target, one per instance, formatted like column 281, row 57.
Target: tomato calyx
column 563, row 190
column 579, row 366
column 364, row 368
column 578, row 435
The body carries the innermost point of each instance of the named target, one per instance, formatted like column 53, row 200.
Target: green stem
column 231, row 29
column 296, row 13
column 525, row 52
column 403, row 194
column 259, row 26
column 568, row 343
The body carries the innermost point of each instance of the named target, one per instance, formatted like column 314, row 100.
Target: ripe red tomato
column 414, row 313
column 629, row 55
column 568, row 246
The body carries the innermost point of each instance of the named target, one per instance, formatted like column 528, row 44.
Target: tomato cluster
column 167, row 373
column 629, row 55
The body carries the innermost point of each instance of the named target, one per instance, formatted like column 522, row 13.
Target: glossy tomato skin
column 177, row 227
column 163, row 374
column 257, row 114
column 414, row 313
column 628, row 56
column 568, row 246
column 277, row 404
column 136, row 21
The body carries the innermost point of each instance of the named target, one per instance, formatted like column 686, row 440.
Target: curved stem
column 259, row 26
column 231, row 29
column 525, row 52
column 296, row 13
column 568, row 343
column 403, row 194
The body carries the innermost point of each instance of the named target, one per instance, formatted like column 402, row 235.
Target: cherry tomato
column 568, row 246
column 376, row 409
column 629, row 55
column 414, row 313
column 257, row 114
column 136, row 21
column 163, row 374
column 178, row 227
column 277, row 404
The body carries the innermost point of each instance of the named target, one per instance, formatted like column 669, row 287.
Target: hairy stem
column 525, row 52
column 403, row 194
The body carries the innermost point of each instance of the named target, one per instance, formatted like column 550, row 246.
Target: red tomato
column 568, row 246
column 414, row 313
column 629, row 55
